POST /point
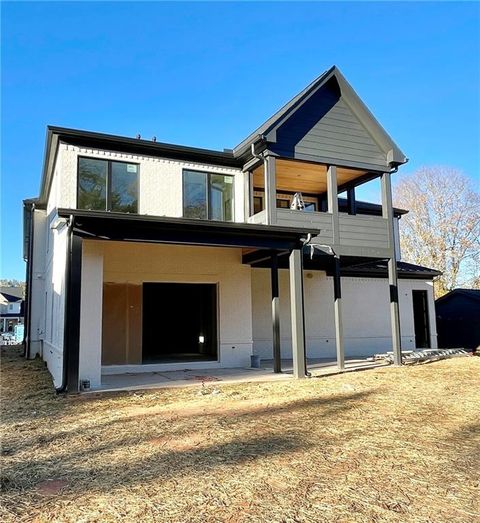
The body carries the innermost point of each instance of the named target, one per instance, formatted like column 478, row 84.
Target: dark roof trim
column 378, row 269
column 267, row 131
column 111, row 142
column 373, row 209
column 159, row 229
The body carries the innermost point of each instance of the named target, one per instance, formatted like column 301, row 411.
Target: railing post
column 387, row 212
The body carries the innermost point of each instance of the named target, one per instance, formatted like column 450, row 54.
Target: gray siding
column 325, row 127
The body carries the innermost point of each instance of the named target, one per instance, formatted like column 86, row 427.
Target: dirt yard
column 383, row 445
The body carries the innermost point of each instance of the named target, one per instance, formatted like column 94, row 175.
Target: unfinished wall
column 134, row 263
column 366, row 314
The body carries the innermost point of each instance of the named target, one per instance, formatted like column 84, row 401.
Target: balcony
column 358, row 235
column 361, row 232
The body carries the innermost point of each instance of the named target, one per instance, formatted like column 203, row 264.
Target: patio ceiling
column 305, row 177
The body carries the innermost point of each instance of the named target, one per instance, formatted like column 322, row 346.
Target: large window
column 104, row 185
column 207, row 196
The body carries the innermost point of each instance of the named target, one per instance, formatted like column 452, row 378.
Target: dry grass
column 384, row 445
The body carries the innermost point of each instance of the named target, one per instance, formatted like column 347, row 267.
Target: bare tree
column 442, row 229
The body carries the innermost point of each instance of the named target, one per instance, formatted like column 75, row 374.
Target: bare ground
column 377, row 446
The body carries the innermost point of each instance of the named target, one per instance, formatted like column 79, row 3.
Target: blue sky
column 207, row 74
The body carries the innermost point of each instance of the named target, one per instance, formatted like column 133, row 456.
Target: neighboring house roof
column 380, row 269
column 10, row 298
column 472, row 294
column 13, row 291
column 268, row 129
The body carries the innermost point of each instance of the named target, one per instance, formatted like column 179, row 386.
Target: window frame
column 108, row 189
column 208, row 174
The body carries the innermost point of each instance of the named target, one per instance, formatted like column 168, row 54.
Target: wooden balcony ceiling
column 305, row 177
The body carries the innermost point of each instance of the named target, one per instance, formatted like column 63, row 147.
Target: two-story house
column 145, row 256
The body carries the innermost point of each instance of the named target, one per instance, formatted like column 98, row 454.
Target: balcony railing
column 359, row 235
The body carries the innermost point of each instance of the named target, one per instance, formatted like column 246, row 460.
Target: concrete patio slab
column 170, row 379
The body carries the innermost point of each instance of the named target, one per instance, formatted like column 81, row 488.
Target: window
column 207, row 196
column 104, row 185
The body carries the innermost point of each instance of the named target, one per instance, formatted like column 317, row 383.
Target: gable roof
column 267, row 131
column 10, row 298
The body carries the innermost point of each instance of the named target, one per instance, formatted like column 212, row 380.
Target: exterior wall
column 366, row 314
column 325, row 127
column 54, row 296
column 160, row 180
column 91, row 313
column 37, row 319
column 137, row 263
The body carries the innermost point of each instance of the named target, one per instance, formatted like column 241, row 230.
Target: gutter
column 65, row 362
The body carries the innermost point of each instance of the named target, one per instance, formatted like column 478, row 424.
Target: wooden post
column 270, row 188
column 277, row 358
column 332, row 198
column 387, row 212
column 337, row 294
column 297, row 313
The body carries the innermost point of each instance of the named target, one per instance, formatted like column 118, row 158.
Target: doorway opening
column 179, row 322
column 420, row 319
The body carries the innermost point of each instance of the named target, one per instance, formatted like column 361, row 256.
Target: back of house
column 145, row 256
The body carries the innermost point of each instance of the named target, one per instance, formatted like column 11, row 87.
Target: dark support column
column 337, row 294
column 351, row 202
column 297, row 313
column 387, row 212
column 71, row 350
column 277, row 358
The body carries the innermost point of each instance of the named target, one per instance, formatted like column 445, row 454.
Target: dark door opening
column 179, row 322
column 420, row 319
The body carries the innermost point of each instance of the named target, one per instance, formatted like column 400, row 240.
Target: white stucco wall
column 90, row 360
column 54, row 296
column 37, row 310
column 366, row 314
column 160, row 180
column 137, row 263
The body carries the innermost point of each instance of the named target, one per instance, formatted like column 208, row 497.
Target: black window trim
column 209, row 192
column 108, row 190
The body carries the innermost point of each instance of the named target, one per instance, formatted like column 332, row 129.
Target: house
column 11, row 308
column 145, row 256
column 458, row 319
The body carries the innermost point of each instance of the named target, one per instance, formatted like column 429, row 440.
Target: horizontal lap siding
column 326, row 127
column 362, row 231
column 301, row 219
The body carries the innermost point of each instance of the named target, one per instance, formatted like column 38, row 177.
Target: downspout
column 26, row 333
column 63, row 386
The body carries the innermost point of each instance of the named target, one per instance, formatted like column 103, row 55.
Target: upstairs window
column 207, row 196
column 104, row 185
